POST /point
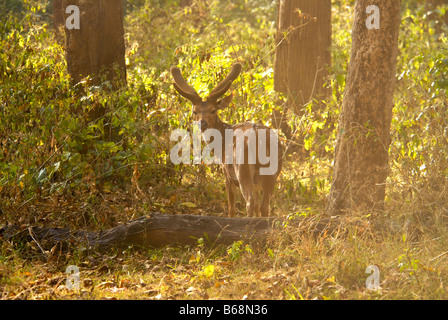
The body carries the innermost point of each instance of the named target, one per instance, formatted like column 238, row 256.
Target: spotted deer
column 243, row 167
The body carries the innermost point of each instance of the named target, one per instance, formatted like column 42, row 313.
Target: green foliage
column 419, row 149
column 57, row 138
column 60, row 139
column 88, row 157
column 237, row 249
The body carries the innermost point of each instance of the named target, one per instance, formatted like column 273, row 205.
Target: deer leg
column 268, row 189
column 246, row 186
column 265, row 205
column 230, row 188
column 248, row 196
column 257, row 204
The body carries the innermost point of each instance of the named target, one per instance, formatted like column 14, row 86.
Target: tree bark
column 303, row 53
column 58, row 20
column 432, row 5
column 361, row 154
column 97, row 49
column 184, row 3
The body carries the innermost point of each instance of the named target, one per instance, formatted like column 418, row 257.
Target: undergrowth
column 85, row 158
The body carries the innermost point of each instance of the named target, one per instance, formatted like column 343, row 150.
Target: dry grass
column 295, row 263
column 407, row 243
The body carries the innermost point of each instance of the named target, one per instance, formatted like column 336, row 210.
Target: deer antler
column 183, row 87
column 225, row 84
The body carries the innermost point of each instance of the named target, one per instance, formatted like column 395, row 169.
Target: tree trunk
column 58, row 20
column 361, row 155
column 432, row 5
column 97, row 49
column 184, row 3
column 303, row 55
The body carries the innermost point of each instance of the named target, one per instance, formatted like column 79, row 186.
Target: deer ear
column 224, row 103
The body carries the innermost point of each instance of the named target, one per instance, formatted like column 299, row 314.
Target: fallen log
column 159, row 230
column 153, row 230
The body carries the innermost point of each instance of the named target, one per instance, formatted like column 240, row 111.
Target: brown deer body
column 250, row 176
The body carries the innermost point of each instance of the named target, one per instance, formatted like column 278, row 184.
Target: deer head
column 205, row 111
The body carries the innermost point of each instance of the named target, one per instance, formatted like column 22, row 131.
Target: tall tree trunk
column 432, row 5
column 361, row 159
column 58, row 20
column 303, row 53
column 97, row 47
column 302, row 57
column 184, row 3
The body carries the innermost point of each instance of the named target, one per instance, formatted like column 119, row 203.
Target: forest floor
column 293, row 264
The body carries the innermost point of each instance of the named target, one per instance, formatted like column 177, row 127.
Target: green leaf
column 209, row 270
column 188, row 204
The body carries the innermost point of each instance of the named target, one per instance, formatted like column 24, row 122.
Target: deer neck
column 222, row 126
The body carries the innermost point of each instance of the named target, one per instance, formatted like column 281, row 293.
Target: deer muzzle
column 203, row 125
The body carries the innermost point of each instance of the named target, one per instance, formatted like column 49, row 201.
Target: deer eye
column 194, row 112
column 213, row 112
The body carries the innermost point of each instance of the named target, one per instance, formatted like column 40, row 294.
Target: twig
column 440, row 255
column 37, row 242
